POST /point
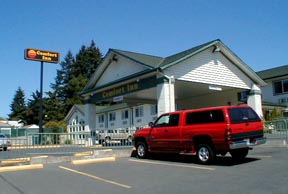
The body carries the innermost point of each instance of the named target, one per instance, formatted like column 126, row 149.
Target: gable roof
column 75, row 108
column 154, row 63
column 147, row 60
column 274, row 72
column 170, row 60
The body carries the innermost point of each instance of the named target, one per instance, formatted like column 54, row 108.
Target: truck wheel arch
column 201, row 139
column 205, row 150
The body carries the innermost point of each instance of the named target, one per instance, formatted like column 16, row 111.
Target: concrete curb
column 23, row 167
column 94, row 160
column 85, row 156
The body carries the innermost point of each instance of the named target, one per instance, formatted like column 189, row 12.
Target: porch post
column 165, row 95
column 90, row 120
column 254, row 100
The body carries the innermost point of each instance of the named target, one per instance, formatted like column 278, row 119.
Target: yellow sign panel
column 40, row 55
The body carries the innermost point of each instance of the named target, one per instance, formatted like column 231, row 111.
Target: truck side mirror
column 151, row 124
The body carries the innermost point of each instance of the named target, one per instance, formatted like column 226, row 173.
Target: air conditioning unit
column 283, row 100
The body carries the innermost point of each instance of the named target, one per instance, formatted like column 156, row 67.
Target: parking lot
column 263, row 171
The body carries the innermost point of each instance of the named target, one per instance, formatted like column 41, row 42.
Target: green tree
column 87, row 61
column 33, row 106
column 273, row 114
column 71, row 79
column 56, row 103
column 53, row 108
column 18, row 106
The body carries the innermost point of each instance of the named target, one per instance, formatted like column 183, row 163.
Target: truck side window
column 213, row 116
column 167, row 120
column 174, row 120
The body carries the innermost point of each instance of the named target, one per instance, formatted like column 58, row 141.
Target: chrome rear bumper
column 246, row 143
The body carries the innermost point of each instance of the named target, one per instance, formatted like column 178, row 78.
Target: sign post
column 42, row 56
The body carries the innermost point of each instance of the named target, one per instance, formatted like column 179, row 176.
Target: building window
column 153, row 109
column 125, row 114
column 280, row 87
column 112, row 116
column 139, row 112
column 101, row 118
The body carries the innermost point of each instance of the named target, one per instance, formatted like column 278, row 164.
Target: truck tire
column 239, row 154
column 141, row 150
column 205, row 154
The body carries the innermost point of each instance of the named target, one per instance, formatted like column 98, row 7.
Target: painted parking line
column 175, row 165
column 259, row 156
column 96, row 177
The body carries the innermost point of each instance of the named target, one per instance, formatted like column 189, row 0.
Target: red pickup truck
column 205, row 132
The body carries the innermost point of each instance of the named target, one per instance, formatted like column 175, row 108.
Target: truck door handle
column 166, row 130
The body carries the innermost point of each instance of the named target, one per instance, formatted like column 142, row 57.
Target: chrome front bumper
column 246, row 143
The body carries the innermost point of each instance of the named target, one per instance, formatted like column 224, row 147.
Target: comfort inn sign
column 40, row 55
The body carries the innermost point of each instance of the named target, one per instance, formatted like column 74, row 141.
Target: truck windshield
column 240, row 115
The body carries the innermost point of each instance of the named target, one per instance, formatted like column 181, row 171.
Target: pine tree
column 18, row 106
column 87, row 61
column 63, row 77
column 33, row 106
column 71, row 79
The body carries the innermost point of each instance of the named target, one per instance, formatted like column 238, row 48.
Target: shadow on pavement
column 219, row 161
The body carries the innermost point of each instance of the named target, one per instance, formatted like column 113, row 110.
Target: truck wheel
column 239, row 153
column 5, row 148
column 141, row 149
column 205, row 154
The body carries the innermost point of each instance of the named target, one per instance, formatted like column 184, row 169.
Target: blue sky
column 255, row 30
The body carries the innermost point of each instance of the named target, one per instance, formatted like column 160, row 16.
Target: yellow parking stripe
column 96, row 178
column 260, row 156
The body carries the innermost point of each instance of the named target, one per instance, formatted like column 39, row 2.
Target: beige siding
column 210, row 68
column 120, row 69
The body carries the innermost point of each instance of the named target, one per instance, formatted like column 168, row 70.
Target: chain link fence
column 276, row 129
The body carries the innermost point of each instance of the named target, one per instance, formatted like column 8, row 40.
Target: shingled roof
column 147, row 60
column 185, row 54
column 274, row 72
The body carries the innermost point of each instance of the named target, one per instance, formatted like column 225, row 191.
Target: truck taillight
column 228, row 134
